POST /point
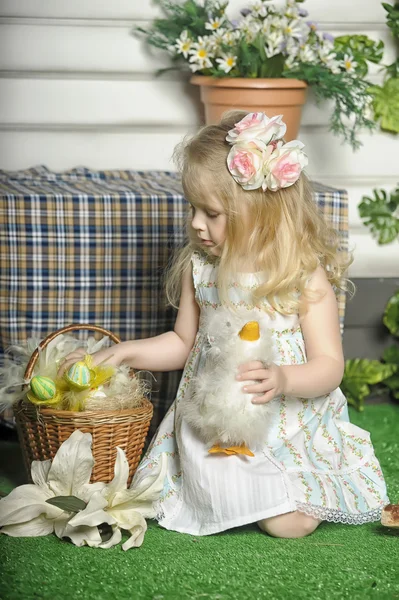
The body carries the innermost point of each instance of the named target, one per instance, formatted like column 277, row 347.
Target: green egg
column 43, row 387
column 79, row 376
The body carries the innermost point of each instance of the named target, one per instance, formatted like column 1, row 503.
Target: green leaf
column 386, row 104
column 259, row 44
column 391, row 314
column 392, row 383
column 349, row 93
column 359, row 374
column 362, row 48
column 392, row 70
column 274, row 66
column 355, row 392
column 392, row 17
column 391, row 355
column 377, row 214
column 68, row 503
column 363, row 370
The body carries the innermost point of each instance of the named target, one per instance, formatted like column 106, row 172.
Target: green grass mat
column 337, row 561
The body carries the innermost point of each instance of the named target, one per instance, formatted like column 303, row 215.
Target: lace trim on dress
column 338, row 516
column 159, row 511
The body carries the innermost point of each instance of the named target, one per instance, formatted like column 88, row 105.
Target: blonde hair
column 287, row 235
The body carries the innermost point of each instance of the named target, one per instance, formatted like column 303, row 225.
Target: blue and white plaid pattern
column 92, row 247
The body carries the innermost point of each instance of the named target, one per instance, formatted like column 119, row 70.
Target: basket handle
column 67, row 329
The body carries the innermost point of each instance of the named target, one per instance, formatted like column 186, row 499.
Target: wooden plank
column 96, row 102
column 69, row 48
column 319, row 10
column 84, row 49
column 104, row 101
column 145, row 147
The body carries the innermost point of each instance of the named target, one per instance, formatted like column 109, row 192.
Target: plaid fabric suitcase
column 92, row 246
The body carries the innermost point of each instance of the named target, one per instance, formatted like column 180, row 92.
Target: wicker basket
column 41, row 431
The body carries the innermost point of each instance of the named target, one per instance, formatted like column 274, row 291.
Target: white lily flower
column 82, row 528
column 129, row 506
column 25, row 512
column 121, row 507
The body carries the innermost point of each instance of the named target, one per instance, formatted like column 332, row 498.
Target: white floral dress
column 313, row 460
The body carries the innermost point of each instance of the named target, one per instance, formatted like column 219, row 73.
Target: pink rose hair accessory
column 259, row 158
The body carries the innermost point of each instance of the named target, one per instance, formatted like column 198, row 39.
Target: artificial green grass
column 337, row 561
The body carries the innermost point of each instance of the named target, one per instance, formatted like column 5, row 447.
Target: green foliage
column 345, row 89
column 386, row 104
column 381, row 214
column 264, row 46
column 378, row 213
column 359, row 375
column 392, row 18
column 386, row 97
column 68, row 503
column 391, row 355
column 391, row 314
column 362, row 48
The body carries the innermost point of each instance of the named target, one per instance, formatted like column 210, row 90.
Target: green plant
column 386, row 96
column 362, row 376
column 271, row 42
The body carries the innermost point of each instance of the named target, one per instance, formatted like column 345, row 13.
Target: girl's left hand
column 271, row 380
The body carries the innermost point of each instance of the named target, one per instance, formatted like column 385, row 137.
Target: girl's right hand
column 108, row 356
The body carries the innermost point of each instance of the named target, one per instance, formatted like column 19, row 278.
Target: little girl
column 257, row 242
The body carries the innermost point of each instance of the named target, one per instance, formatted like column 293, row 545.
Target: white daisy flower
column 214, row 24
column 218, row 6
column 230, row 37
column 227, row 62
column 291, row 61
column 274, row 43
column 217, row 38
column 328, row 58
column 349, row 63
column 295, row 28
column 258, row 8
column 250, row 29
column 307, row 55
column 201, row 54
column 183, row 44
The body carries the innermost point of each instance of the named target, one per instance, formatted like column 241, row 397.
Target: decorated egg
column 79, row 376
column 43, row 387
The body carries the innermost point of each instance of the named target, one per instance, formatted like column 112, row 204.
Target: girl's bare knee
column 289, row 525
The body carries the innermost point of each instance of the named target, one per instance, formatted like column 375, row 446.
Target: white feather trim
column 218, row 409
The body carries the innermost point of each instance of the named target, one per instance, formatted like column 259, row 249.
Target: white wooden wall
column 76, row 88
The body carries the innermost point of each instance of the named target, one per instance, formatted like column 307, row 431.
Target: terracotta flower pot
column 271, row 96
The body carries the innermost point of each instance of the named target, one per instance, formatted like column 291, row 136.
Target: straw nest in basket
column 107, row 388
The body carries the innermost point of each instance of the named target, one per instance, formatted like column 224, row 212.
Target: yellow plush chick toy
column 219, row 410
